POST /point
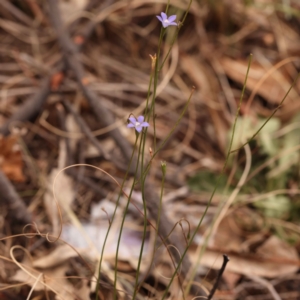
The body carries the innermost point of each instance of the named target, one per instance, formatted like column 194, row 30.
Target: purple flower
column 138, row 123
column 165, row 21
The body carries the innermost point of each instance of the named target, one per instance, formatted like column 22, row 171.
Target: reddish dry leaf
column 273, row 88
column 279, row 260
column 53, row 279
column 11, row 162
column 85, row 81
column 231, row 279
column 78, row 39
column 236, row 233
column 228, row 235
column 202, row 79
column 275, row 247
column 56, row 80
column 57, row 257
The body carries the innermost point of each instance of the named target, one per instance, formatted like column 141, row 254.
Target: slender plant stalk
column 176, row 34
column 152, row 110
column 142, row 149
column 172, row 130
column 148, row 114
column 111, row 221
column 164, row 171
column 220, row 176
column 141, row 153
column 124, row 216
column 269, row 118
column 210, row 200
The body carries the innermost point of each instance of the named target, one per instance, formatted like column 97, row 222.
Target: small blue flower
column 165, row 21
column 138, row 123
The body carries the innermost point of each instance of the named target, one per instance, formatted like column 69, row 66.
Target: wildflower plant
column 140, row 164
column 137, row 123
column 167, row 21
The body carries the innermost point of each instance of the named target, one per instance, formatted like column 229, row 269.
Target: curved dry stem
column 15, row 285
column 28, row 272
column 179, row 271
column 223, row 209
column 45, row 236
column 34, row 285
column 173, row 228
column 235, row 192
column 67, row 277
column 265, row 77
column 85, row 165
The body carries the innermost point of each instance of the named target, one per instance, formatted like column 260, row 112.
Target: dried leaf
column 54, row 278
column 274, row 87
column 231, row 279
column 199, row 74
column 60, row 255
column 63, row 190
column 78, row 39
column 56, row 80
column 276, row 258
column 11, row 162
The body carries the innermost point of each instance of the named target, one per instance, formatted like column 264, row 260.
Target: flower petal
column 165, row 24
column 138, row 128
column 132, row 120
column 173, row 23
column 172, row 18
column 140, row 119
column 164, row 16
column 145, row 124
column 130, row 125
column 159, row 18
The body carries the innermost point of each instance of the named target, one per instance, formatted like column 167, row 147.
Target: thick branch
column 30, row 108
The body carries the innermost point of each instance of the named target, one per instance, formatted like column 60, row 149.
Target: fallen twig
column 30, row 108
column 74, row 172
column 85, row 129
column 16, row 12
column 17, row 208
column 213, row 290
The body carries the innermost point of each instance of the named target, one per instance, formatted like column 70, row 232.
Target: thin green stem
column 123, row 219
column 145, row 228
column 211, row 197
column 160, row 201
column 113, row 216
column 143, row 239
column 268, row 119
column 174, row 226
column 148, row 95
column 222, row 172
column 152, row 110
column 158, row 218
column 172, row 130
column 167, row 7
column 176, row 34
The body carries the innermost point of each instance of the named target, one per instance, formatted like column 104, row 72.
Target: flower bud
column 163, row 167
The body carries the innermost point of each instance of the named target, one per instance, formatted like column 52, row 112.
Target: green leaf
column 275, row 206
